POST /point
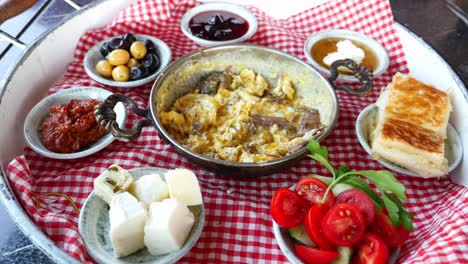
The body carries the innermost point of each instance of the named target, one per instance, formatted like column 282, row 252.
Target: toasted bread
column 411, row 126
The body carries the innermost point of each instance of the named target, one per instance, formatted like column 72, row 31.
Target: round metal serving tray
column 20, row 94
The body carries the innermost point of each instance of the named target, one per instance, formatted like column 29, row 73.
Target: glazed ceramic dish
column 94, row 228
column 227, row 7
column 94, row 55
column 377, row 48
column 453, row 143
column 41, row 110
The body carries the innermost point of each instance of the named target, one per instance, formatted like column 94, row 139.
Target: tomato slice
column 360, row 200
column 313, row 190
column 343, row 225
column 288, row 208
column 383, row 227
column 313, row 226
column 315, row 256
column 371, row 250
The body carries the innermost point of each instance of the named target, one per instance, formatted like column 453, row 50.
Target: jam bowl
column 323, row 47
column 215, row 24
column 180, row 78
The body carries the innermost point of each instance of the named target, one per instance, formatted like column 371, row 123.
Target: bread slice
column 411, row 126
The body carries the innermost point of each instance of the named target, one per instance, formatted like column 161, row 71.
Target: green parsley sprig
column 392, row 192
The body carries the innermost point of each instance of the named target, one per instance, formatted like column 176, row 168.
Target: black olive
column 150, row 47
column 119, row 43
column 150, row 62
column 129, row 38
column 138, row 72
column 105, row 48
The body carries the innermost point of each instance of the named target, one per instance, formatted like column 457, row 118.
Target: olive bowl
column 93, row 56
column 180, row 77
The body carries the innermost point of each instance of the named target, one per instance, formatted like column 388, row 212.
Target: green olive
column 104, row 68
column 138, row 49
column 118, row 57
column 133, row 62
column 121, row 73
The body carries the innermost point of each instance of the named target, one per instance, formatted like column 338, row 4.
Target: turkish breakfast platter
column 189, row 132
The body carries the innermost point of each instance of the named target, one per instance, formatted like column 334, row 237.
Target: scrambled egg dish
column 239, row 117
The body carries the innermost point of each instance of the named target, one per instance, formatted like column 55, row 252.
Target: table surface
column 429, row 19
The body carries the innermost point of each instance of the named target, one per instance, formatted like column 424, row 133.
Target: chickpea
column 104, row 68
column 121, row 73
column 118, row 57
column 138, row 49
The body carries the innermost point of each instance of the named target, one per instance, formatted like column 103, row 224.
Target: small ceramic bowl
column 377, row 48
column 41, row 110
column 93, row 56
column 225, row 7
column 94, row 228
column 453, row 143
column 286, row 244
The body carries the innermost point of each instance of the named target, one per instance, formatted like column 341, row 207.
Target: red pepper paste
column 72, row 127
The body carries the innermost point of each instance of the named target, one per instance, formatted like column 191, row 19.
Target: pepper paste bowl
column 41, row 110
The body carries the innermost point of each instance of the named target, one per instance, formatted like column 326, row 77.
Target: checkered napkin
column 238, row 224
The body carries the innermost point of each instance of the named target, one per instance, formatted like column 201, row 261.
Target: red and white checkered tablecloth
column 238, row 224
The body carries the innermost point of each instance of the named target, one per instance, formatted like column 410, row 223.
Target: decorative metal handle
column 106, row 116
column 363, row 74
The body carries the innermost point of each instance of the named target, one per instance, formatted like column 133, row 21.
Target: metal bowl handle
column 106, row 117
column 363, row 74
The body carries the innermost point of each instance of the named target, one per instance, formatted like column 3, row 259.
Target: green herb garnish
column 392, row 192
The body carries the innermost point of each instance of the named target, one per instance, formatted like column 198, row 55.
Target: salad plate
column 94, row 228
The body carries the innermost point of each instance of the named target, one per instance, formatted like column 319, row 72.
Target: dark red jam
column 218, row 26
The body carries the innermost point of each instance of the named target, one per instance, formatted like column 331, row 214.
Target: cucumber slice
column 345, row 254
column 300, row 234
column 325, row 179
column 340, row 187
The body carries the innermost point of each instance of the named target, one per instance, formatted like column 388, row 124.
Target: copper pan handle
column 363, row 74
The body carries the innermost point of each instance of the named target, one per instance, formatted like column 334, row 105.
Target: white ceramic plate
column 286, row 244
column 94, row 228
column 453, row 143
column 93, row 56
column 41, row 110
column 219, row 6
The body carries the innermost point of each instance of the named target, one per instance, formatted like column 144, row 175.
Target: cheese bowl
column 180, row 77
column 94, row 226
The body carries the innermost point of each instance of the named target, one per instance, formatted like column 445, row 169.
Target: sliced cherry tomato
column 315, row 256
column 383, row 227
column 371, row 250
column 313, row 226
column 360, row 200
column 343, row 225
column 313, row 190
column 288, row 208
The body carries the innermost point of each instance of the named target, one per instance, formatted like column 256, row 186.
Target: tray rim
column 21, row 217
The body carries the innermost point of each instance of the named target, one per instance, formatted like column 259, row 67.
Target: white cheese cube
column 127, row 219
column 183, row 185
column 150, row 188
column 113, row 180
column 168, row 225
